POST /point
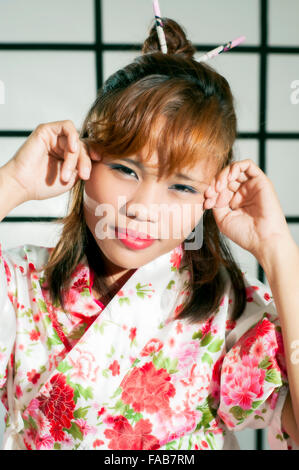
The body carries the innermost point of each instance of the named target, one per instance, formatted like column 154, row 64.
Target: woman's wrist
column 12, row 194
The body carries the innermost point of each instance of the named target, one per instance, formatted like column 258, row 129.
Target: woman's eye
column 189, row 190
column 122, row 169
column 128, row 171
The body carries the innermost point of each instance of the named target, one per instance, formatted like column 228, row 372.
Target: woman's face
column 167, row 210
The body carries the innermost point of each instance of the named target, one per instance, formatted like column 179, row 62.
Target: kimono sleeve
column 253, row 377
column 7, row 314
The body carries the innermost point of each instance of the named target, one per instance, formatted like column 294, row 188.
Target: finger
column 69, row 165
column 247, row 166
column 84, row 161
column 66, row 128
column 222, row 179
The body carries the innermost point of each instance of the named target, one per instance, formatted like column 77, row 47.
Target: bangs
column 166, row 118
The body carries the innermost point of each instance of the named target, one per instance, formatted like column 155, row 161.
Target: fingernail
column 67, row 174
column 218, row 185
column 85, row 172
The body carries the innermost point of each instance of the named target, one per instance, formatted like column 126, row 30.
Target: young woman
column 114, row 342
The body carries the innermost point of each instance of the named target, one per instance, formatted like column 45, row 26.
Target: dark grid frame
column 99, row 48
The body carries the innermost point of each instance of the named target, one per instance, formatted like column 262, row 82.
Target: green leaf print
column 255, row 404
column 258, row 417
column 64, row 367
column 207, row 358
column 75, row 431
column 42, row 305
column 142, row 290
column 216, row 345
column 78, row 331
column 85, row 292
column 81, row 412
column 272, row 375
column 123, row 300
column 197, row 335
column 206, row 339
column 54, row 340
column 112, row 351
column 162, row 362
column 57, row 446
column 86, row 393
column 265, row 363
column 170, row 284
column 208, row 414
column 239, row 413
column 117, row 392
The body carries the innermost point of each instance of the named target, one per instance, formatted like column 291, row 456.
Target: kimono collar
column 79, row 299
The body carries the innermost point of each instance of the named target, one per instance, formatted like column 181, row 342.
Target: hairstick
column 159, row 26
column 209, row 55
column 220, row 49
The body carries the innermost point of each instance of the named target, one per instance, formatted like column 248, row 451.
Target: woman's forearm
column 11, row 194
column 280, row 262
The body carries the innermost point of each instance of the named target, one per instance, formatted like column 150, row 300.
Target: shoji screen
column 54, row 55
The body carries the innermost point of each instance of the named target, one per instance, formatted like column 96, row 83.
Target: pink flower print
column 187, row 354
column 245, row 385
column 34, row 335
column 97, row 443
column 179, row 328
column 83, row 367
column 132, row 333
column 152, row 346
column 33, row 376
column 84, row 427
column 19, row 392
column 225, row 418
column 32, row 409
column 176, row 257
column 178, row 310
column 101, row 411
column 44, row 442
column 267, row 296
column 70, row 297
column 258, row 349
column 206, row 328
column 249, row 292
column 274, row 397
column 114, row 367
column 230, row 324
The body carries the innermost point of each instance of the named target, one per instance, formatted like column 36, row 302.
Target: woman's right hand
column 39, row 168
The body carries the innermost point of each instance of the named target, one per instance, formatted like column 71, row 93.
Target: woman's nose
column 144, row 205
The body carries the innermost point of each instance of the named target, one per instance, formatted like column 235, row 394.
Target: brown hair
column 199, row 121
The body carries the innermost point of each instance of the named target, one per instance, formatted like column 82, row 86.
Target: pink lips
column 136, row 235
column 129, row 239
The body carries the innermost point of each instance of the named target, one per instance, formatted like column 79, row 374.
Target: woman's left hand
column 246, row 208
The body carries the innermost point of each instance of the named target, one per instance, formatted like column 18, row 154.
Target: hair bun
column 176, row 40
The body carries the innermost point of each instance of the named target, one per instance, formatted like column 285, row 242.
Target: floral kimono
column 131, row 375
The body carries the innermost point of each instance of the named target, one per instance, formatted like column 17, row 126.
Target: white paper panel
column 34, row 233
column 283, row 170
column 41, row 21
column 283, row 23
column 44, row 86
column 204, row 22
column 242, row 73
column 283, row 100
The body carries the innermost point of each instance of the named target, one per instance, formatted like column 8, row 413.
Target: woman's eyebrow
column 178, row 175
